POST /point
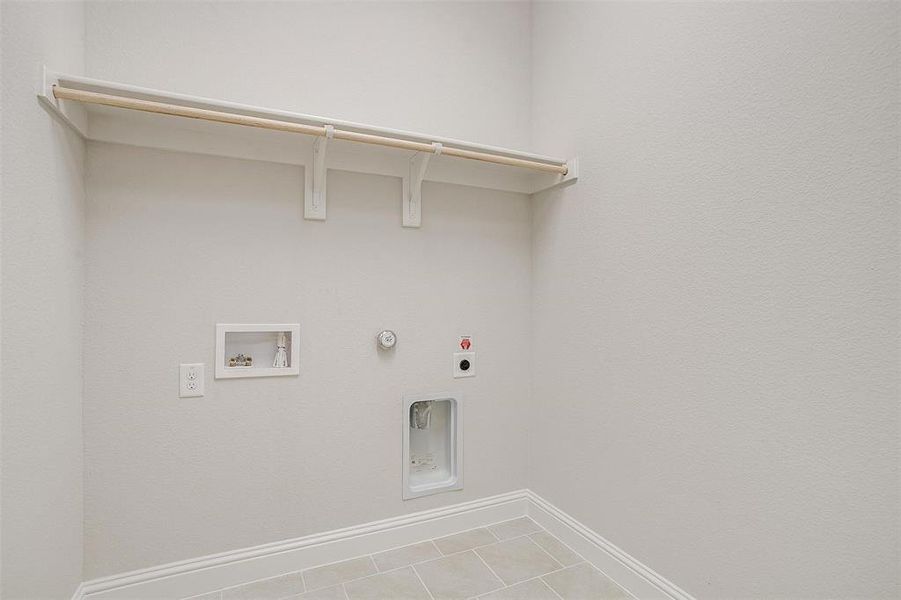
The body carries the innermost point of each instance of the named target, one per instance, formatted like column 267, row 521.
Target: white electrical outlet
column 190, row 380
column 464, row 364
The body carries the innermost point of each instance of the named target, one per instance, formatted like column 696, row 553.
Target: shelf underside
column 182, row 134
column 125, row 126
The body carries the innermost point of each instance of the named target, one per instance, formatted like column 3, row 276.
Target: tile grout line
column 303, row 578
column 427, row 540
column 413, row 564
column 530, row 519
column 537, row 545
column 550, row 587
column 562, row 568
column 442, row 555
column 486, row 526
column 537, row 577
column 553, row 591
column 484, row 545
column 582, row 558
column 419, row 577
column 221, row 591
column 503, row 583
column 351, row 580
column 334, row 562
column 429, row 592
column 432, row 540
column 592, row 565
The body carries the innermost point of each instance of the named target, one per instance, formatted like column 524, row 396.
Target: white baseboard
column 637, row 578
column 78, row 594
column 199, row 575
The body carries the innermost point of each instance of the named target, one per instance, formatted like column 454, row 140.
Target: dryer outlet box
column 464, row 364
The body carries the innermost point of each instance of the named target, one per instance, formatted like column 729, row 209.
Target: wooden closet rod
column 248, row 121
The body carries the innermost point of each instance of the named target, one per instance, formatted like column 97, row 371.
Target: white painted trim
column 104, row 124
column 51, row 78
column 637, row 578
column 223, row 329
column 78, row 594
column 196, row 576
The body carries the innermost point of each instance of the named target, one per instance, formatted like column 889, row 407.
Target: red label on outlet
column 465, row 343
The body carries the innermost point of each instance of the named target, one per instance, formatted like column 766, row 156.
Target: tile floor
column 512, row 560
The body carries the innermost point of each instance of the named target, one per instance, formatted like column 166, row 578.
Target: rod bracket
column 419, row 165
column 315, row 205
column 546, row 182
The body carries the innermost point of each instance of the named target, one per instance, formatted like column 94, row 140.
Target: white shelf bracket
column 69, row 113
column 315, row 205
column 412, row 207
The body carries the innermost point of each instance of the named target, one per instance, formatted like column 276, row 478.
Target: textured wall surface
column 177, row 243
column 720, row 290
column 42, row 244
column 262, row 460
column 718, row 295
column 459, row 69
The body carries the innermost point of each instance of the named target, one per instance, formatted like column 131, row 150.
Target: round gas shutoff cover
column 387, row 339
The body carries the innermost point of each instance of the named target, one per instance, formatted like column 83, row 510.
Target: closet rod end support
column 546, row 182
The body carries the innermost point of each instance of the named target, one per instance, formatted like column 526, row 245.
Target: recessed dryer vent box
column 249, row 350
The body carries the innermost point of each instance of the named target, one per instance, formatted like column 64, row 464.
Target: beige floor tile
column 517, row 560
column 402, row 584
column 465, row 541
column 209, row 596
column 401, row 557
column 514, row 528
column 560, row 551
column 328, row 575
column 584, row 582
column 534, row 589
column 461, row 575
column 274, row 588
column 336, row 592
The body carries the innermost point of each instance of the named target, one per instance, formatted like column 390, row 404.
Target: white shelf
column 133, row 127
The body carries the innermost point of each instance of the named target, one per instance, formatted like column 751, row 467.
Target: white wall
column 459, row 69
column 177, row 243
column 42, row 244
column 720, row 290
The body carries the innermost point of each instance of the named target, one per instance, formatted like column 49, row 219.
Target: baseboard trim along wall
column 640, row 580
column 79, row 592
column 198, row 575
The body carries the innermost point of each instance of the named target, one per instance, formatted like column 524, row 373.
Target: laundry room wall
column 720, row 290
column 178, row 242
column 42, row 267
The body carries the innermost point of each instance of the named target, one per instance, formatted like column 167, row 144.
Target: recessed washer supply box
column 260, row 343
column 432, row 444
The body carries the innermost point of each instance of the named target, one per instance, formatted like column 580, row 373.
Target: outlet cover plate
column 459, row 358
column 190, row 380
